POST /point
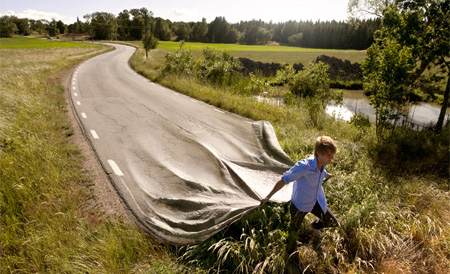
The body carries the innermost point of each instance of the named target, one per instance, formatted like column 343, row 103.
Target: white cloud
column 185, row 14
column 39, row 15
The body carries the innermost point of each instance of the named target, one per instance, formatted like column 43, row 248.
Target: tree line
column 129, row 25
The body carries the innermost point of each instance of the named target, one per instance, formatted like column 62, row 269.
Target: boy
column 307, row 195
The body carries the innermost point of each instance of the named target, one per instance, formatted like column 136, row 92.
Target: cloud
column 184, row 13
column 40, row 15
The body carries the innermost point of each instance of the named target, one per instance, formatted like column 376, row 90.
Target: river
column 420, row 114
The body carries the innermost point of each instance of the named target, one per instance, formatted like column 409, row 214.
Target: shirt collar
column 314, row 165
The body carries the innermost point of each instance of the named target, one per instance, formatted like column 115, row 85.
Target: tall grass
column 46, row 223
column 393, row 219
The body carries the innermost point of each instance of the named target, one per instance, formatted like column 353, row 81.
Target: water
column 420, row 114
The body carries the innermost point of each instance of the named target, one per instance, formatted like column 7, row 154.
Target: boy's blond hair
column 324, row 144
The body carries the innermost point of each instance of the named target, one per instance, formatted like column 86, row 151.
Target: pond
column 419, row 115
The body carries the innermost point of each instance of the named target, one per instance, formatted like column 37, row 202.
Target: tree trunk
column 440, row 122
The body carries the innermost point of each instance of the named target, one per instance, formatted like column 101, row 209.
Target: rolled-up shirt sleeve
column 295, row 173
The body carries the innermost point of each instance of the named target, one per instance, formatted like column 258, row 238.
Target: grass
column 268, row 54
column 394, row 219
column 48, row 223
column 37, row 43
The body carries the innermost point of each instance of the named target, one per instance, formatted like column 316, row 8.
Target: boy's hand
column 264, row 200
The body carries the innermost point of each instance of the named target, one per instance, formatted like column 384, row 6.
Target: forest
column 128, row 25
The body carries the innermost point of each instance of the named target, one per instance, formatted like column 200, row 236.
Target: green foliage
column 218, row 67
column 386, row 77
column 420, row 29
column 260, row 247
column 7, row 27
column 256, row 85
column 180, row 61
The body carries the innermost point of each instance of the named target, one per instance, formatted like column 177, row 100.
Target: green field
column 268, row 54
column 37, row 43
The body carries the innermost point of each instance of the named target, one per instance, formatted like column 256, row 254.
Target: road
column 184, row 168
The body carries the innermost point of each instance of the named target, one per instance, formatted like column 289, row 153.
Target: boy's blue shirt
column 307, row 188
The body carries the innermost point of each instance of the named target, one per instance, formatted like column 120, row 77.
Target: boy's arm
column 279, row 185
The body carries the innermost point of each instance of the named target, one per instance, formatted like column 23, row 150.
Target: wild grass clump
column 393, row 209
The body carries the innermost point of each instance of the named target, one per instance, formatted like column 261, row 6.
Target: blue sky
column 183, row 10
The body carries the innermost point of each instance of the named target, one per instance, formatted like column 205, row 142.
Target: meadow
column 38, row 43
column 50, row 219
column 392, row 199
column 266, row 53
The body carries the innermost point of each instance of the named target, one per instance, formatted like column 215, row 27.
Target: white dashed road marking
column 83, row 115
column 115, row 168
column 94, row 134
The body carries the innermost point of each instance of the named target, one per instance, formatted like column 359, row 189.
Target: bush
column 218, row 67
column 180, row 61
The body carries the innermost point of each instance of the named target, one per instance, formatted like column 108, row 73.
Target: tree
column 362, row 8
column 52, row 29
column 296, row 39
column 61, row 27
column 199, row 31
column 162, row 30
column 182, row 31
column 385, row 71
column 421, row 25
column 23, row 26
column 217, row 30
column 150, row 42
column 7, row 26
column 104, row 25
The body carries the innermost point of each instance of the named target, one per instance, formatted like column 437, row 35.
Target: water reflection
column 354, row 101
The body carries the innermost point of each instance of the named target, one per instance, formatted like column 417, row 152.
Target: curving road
column 184, row 168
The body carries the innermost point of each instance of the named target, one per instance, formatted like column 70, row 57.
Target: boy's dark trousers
column 326, row 219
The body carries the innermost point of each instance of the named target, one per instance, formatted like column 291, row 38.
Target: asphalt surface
column 184, row 168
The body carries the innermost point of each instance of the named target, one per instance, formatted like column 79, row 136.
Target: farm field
column 268, row 54
column 38, row 43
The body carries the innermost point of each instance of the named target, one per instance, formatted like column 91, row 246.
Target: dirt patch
column 106, row 201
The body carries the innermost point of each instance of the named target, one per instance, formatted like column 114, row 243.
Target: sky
column 182, row 10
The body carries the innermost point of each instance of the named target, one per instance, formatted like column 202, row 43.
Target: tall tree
column 422, row 25
column 7, row 26
column 217, row 30
column 199, row 31
column 104, row 25
column 150, row 42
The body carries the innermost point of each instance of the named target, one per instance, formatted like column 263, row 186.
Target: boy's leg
column 326, row 219
column 297, row 217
